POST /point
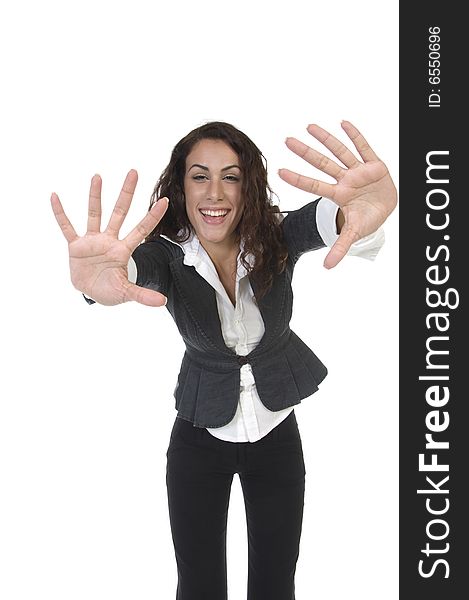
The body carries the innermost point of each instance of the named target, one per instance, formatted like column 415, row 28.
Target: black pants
column 199, row 473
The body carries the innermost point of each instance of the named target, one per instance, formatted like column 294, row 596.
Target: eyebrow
column 207, row 169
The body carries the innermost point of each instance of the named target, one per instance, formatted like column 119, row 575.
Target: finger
column 339, row 150
column 315, row 158
column 359, row 142
column 147, row 224
column 342, row 245
column 122, row 205
column 314, row 186
column 94, row 205
column 144, row 296
column 62, row 219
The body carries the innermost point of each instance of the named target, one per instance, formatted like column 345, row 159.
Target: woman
column 221, row 256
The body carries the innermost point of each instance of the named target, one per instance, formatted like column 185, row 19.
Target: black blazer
column 285, row 369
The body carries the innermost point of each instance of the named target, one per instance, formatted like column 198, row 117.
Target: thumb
column 346, row 238
column 144, row 296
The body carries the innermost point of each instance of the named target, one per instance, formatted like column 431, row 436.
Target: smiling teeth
column 214, row 213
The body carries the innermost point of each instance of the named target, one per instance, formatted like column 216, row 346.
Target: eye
column 200, row 177
column 232, row 178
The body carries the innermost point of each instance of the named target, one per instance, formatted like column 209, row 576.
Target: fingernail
column 163, row 198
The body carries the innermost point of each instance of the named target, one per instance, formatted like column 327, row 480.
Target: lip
column 213, row 220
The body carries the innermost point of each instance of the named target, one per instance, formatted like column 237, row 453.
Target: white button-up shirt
column 242, row 325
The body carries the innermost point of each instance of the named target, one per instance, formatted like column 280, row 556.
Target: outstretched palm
column 364, row 190
column 98, row 260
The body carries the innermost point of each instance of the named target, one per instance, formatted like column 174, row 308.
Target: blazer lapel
column 270, row 307
column 200, row 301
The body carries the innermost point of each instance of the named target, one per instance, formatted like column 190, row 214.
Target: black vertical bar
column 434, row 428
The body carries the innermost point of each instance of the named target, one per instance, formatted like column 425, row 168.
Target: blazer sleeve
column 300, row 231
column 152, row 262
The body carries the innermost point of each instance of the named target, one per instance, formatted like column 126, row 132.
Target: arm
column 149, row 265
column 300, row 230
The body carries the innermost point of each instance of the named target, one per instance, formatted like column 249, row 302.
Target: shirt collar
column 195, row 254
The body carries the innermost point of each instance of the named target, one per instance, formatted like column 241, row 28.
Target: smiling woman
column 222, row 256
column 214, row 167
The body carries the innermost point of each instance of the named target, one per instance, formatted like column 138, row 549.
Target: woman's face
column 212, row 186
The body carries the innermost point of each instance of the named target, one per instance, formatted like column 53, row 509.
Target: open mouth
column 214, row 217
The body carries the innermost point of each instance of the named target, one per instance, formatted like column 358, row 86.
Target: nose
column 215, row 190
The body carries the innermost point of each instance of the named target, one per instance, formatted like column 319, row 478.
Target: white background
column 86, row 406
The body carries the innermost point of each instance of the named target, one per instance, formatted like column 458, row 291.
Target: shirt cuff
column 326, row 214
column 132, row 270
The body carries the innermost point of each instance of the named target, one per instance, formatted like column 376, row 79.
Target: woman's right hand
column 98, row 260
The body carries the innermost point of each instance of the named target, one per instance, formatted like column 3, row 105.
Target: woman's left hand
column 364, row 190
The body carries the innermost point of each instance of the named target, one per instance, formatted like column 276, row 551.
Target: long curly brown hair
column 259, row 227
